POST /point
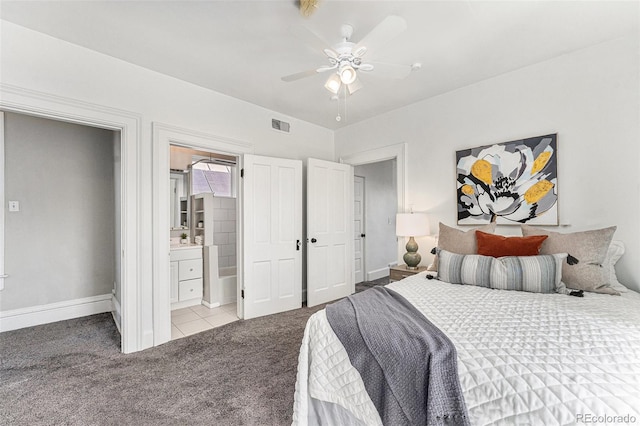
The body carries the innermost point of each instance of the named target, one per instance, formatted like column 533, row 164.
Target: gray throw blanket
column 408, row 365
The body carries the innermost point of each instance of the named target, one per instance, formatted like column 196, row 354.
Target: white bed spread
column 523, row 358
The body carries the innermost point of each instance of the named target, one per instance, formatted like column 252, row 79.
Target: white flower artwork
column 509, row 183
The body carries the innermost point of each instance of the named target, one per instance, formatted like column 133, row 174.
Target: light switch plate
column 14, row 206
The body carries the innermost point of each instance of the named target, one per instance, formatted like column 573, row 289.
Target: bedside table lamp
column 412, row 225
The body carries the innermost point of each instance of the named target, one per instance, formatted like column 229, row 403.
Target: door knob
column 313, row 240
column 362, row 235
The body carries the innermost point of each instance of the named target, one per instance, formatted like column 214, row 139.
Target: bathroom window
column 215, row 178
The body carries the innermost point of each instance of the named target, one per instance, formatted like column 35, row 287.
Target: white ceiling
column 243, row 48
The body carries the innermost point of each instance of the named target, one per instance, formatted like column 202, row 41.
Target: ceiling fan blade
column 331, row 54
column 385, row 31
column 359, row 51
column 299, row 75
column 365, row 67
column 327, row 68
column 395, row 71
column 308, row 37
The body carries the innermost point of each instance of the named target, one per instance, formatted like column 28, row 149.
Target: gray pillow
column 460, row 242
column 588, row 247
column 535, row 274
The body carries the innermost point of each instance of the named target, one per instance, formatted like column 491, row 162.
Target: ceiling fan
column 347, row 57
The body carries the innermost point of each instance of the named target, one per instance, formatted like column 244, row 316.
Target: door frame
column 363, row 229
column 165, row 135
column 44, row 105
column 400, row 154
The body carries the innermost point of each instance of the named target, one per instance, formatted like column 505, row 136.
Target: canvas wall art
column 509, row 183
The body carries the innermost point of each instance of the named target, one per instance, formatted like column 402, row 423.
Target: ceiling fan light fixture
column 333, row 84
column 355, row 86
column 347, row 74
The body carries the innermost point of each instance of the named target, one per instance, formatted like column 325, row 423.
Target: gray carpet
column 72, row 373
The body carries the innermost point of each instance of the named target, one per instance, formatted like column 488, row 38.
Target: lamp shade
column 412, row 224
column 333, row 83
column 347, row 74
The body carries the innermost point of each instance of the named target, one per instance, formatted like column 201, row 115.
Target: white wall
column 60, row 245
column 34, row 61
column 381, row 200
column 591, row 98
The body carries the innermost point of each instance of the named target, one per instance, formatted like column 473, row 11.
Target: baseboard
column 53, row 312
column 185, row 304
column 377, row 274
column 210, row 305
column 116, row 312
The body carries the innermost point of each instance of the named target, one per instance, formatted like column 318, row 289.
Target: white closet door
column 358, row 227
column 330, row 270
column 272, row 215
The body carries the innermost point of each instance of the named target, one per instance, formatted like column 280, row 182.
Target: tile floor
column 192, row 320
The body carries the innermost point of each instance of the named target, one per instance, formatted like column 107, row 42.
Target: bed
column 522, row 358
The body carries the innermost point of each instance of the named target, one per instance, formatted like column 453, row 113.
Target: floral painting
column 509, row 183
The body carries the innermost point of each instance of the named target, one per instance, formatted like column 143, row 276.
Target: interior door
column 330, row 270
column 358, row 228
column 272, row 216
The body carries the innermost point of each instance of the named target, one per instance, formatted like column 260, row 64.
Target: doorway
column 203, row 239
column 163, row 137
column 377, row 181
column 397, row 152
column 62, row 231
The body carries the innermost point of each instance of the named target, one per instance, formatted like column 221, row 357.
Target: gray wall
column 60, row 245
column 380, row 199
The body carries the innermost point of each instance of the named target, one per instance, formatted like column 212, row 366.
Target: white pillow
column 614, row 253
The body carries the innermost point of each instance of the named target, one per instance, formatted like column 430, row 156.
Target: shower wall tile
column 224, row 230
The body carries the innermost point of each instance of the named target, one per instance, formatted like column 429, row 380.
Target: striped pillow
column 536, row 274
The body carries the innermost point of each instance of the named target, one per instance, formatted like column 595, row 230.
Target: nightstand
column 396, row 273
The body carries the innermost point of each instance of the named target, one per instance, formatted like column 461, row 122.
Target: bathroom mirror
column 179, row 196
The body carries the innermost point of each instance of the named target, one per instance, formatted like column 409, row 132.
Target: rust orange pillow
column 499, row 246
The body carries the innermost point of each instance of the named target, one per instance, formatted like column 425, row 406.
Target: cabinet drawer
column 190, row 289
column 186, row 253
column 190, row 269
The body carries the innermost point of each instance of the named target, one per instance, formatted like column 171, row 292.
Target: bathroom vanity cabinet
column 186, row 276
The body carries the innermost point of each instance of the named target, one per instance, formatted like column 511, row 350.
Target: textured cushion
column 536, row 274
column 614, row 253
column 457, row 241
column 588, row 247
column 499, row 246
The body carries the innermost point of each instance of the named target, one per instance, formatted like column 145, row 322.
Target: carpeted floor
column 72, row 373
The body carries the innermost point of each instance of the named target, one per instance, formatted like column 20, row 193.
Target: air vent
column 281, row 126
